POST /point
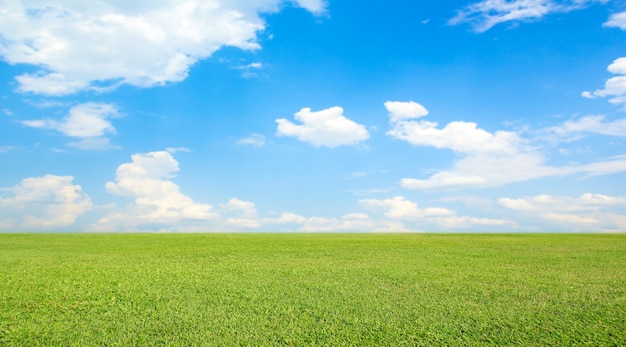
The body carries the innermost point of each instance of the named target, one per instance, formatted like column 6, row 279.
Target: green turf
column 326, row 290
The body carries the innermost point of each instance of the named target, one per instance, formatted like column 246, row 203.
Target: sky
column 313, row 116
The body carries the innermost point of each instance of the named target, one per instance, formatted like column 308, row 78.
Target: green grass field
column 312, row 289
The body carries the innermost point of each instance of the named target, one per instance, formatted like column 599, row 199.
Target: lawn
column 312, row 289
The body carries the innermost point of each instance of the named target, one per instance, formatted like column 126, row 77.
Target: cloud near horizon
column 157, row 200
column 588, row 211
column 45, row 202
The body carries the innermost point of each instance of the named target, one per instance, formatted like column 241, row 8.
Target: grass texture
column 312, row 290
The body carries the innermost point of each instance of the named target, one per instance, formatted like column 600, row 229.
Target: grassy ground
column 330, row 290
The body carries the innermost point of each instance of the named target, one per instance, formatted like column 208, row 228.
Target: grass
column 318, row 290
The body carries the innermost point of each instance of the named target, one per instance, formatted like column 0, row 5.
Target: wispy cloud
column 6, row 149
column 486, row 14
column 576, row 129
column 255, row 139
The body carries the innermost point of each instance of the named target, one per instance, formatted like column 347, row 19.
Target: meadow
column 312, row 289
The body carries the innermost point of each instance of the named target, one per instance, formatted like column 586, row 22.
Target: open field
column 328, row 289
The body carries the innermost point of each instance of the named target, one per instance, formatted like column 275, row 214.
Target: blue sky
column 311, row 115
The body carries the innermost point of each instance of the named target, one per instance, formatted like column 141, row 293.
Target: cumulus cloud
column 88, row 122
column 617, row 20
column 158, row 204
column 43, row 203
column 486, row 14
column 588, row 212
column 329, row 128
column 157, row 200
column 105, row 44
column 400, row 110
column 489, row 159
column 614, row 87
column 462, row 137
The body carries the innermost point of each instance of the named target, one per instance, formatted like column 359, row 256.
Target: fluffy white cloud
column 400, row 110
column 462, row 137
column 327, row 127
column 157, row 200
column 617, row 20
column 89, row 122
column 492, row 159
column 589, row 212
column 485, row 14
column 401, row 209
column 614, row 87
column 44, row 202
column 104, row 44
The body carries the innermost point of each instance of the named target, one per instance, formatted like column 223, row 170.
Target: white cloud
column 248, row 217
column 157, row 200
column 351, row 222
column 588, row 212
column 462, row 137
column 614, row 87
column 317, row 7
column 327, row 127
column 255, row 139
column 286, row 218
column 494, row 159
column 401, row 209
column 575, row 129
column 89, row 122
column 486, row 14
column 617, row 20
column 44, row 202
column 109, row 43
column 400, row 110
